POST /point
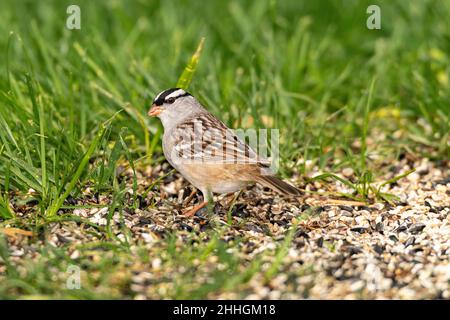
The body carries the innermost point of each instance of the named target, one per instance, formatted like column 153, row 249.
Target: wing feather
column 203, row 137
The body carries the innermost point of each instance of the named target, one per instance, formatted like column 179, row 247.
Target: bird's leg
column 190, row 197
column 194, row 210
column 207, row 201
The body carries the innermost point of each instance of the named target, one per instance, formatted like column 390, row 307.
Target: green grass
column 73, row 106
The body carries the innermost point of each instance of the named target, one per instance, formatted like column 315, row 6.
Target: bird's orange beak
column 155, row 110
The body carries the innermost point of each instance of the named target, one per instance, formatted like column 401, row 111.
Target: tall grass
column 73, row 103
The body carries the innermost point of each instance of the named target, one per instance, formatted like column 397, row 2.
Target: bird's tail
column 278, row 185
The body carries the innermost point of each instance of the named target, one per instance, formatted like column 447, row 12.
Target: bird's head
column 170, row 101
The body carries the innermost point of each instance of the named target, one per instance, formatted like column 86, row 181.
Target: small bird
column 206, row 152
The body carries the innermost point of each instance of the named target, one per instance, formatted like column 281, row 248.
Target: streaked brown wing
column 203, row 137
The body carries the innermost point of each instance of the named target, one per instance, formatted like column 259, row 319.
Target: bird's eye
column 170, row 100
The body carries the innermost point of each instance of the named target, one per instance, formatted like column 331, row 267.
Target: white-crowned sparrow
column 207, row 153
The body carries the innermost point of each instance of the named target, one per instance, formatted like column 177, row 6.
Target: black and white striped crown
column 169, row 94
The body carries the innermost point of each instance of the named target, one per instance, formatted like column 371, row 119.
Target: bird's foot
column 190, row 197
column 194, row 210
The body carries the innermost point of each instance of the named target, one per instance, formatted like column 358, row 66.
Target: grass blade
column 84, row 161
column 188, row 73
column 365, row 127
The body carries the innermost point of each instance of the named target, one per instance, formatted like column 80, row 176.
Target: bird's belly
column 227, row 187
column 204, row 176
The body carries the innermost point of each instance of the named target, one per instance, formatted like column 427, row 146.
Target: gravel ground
column 340, row 249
